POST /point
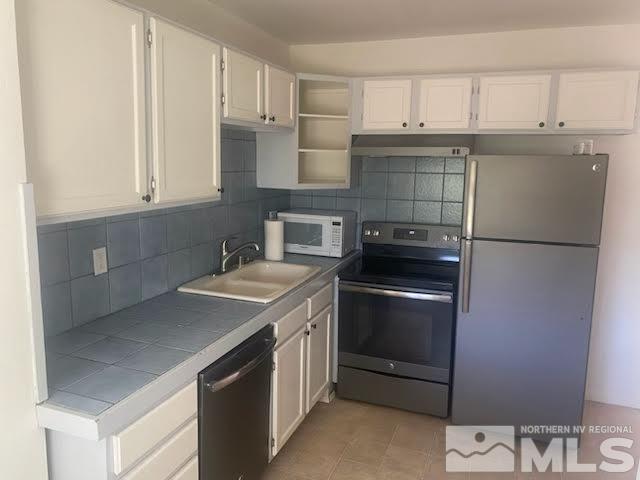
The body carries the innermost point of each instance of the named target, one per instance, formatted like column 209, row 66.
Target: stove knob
column 376, row 233
column 367, row 233
column 446, row 237
column 392, row 366
column 455, row 238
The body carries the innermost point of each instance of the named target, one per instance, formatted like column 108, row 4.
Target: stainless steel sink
column 260, row 281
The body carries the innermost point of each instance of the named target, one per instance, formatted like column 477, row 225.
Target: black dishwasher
column 233, row 411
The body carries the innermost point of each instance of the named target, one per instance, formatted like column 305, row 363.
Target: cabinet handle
column 404, row 124
column 307, row 332
column 314, row 325
column 221, row 189
column 561, row 124
column 263, row 116
column 272, row 118
column 541, row 124
column 421, row 124
column 147, row 198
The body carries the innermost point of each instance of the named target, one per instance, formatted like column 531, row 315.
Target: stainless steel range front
column 396, row 317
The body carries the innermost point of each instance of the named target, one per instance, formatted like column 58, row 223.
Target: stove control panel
column 434, row 236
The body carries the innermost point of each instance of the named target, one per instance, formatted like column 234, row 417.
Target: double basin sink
column 260, row 281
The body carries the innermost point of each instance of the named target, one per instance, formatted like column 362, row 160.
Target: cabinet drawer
column 166, row 459
column 290, row 323
column 189, row 471
column 319, row 300
column 139, row 438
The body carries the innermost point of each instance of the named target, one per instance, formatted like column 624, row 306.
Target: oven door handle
column 429, row 297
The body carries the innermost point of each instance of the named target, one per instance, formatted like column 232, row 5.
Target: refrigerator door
column 555, row 199
column 521, row 349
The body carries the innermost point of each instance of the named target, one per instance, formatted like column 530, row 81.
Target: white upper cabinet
column 597, row 100
column 84, row 105
column 243, row 87
column 280, row 89
column 386, row 104
column 514, row 102
column 444, row 103
column 185, row 95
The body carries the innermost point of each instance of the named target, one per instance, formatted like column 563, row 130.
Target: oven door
column 307, row 235
column 406, row 332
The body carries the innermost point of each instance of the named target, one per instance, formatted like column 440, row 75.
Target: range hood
column 412, row 145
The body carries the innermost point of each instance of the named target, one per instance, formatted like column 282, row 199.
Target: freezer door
column 556, row 199
column 521, row 349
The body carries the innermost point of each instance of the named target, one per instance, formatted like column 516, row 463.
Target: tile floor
column 347, row 440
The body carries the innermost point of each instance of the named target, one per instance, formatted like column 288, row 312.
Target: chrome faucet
column 226, row 255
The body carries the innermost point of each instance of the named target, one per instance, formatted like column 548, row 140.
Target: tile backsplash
column 396, row 189
column 151, row 252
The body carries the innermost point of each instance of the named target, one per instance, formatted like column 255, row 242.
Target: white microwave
column 328, row 233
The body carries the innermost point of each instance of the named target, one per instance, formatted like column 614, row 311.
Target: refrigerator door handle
column 466, row 274
column 471, row 199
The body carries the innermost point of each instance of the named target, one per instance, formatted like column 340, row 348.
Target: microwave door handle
column 430, row 297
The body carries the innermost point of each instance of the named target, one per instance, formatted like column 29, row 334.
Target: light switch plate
column 100, row 261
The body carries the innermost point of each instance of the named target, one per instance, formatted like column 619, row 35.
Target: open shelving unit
column 317, row 154
column 324, row 133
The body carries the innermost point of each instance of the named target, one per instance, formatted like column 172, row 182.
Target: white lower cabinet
column 189, row 471
column 318, row 358
column 169, row 457
column 161, row 445
column 301, row 368
column 288, row 397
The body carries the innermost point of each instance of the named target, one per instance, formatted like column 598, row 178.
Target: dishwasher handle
column 384, row 292
column 218, row 385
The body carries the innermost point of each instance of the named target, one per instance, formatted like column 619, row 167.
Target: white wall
column 22, row 450
column 528, row 49
column 210, row 19
column 614, row 360
column 615, row 356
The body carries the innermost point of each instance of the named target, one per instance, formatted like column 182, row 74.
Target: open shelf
column 323, row 133
column 320, row 97
column 323, row 167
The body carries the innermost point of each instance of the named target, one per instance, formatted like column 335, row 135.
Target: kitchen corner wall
column 396, row 189
column 151, row 252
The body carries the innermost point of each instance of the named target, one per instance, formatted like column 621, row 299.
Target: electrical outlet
column 100, row 261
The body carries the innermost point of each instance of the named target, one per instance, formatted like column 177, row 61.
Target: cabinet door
column 445, row 103
column 597, row 100
column 84, row 105
column 288, row 392
column 518, row 102
column 185, row 95
column 386, row 104
column 242, row 83
column 318, row 356
column 280, row 89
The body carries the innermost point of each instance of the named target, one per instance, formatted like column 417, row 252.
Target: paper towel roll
column 273, row 240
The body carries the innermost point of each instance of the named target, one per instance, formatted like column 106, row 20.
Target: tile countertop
column 105, row 374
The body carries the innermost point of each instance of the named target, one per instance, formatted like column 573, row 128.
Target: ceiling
column 331, row 21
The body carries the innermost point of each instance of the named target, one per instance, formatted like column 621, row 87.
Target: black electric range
column 396, row 317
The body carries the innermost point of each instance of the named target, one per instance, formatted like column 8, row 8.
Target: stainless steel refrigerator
column 531, row 231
